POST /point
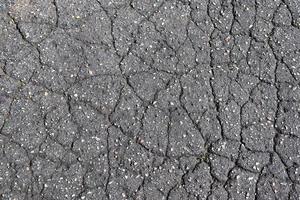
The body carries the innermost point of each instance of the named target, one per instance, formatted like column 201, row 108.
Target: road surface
column 149, row 99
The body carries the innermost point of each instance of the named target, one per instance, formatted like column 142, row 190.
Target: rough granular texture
column 149, row 99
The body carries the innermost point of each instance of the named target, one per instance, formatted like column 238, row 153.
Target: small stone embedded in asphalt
column 142, row 99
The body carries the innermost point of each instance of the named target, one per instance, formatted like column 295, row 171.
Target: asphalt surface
column 150, row 99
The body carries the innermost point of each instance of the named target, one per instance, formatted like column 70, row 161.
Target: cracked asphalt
column 150, row 99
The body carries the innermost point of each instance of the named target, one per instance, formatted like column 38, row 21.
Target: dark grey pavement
column 150, row 99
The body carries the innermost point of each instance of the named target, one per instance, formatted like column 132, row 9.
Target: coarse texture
column 149, row 99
